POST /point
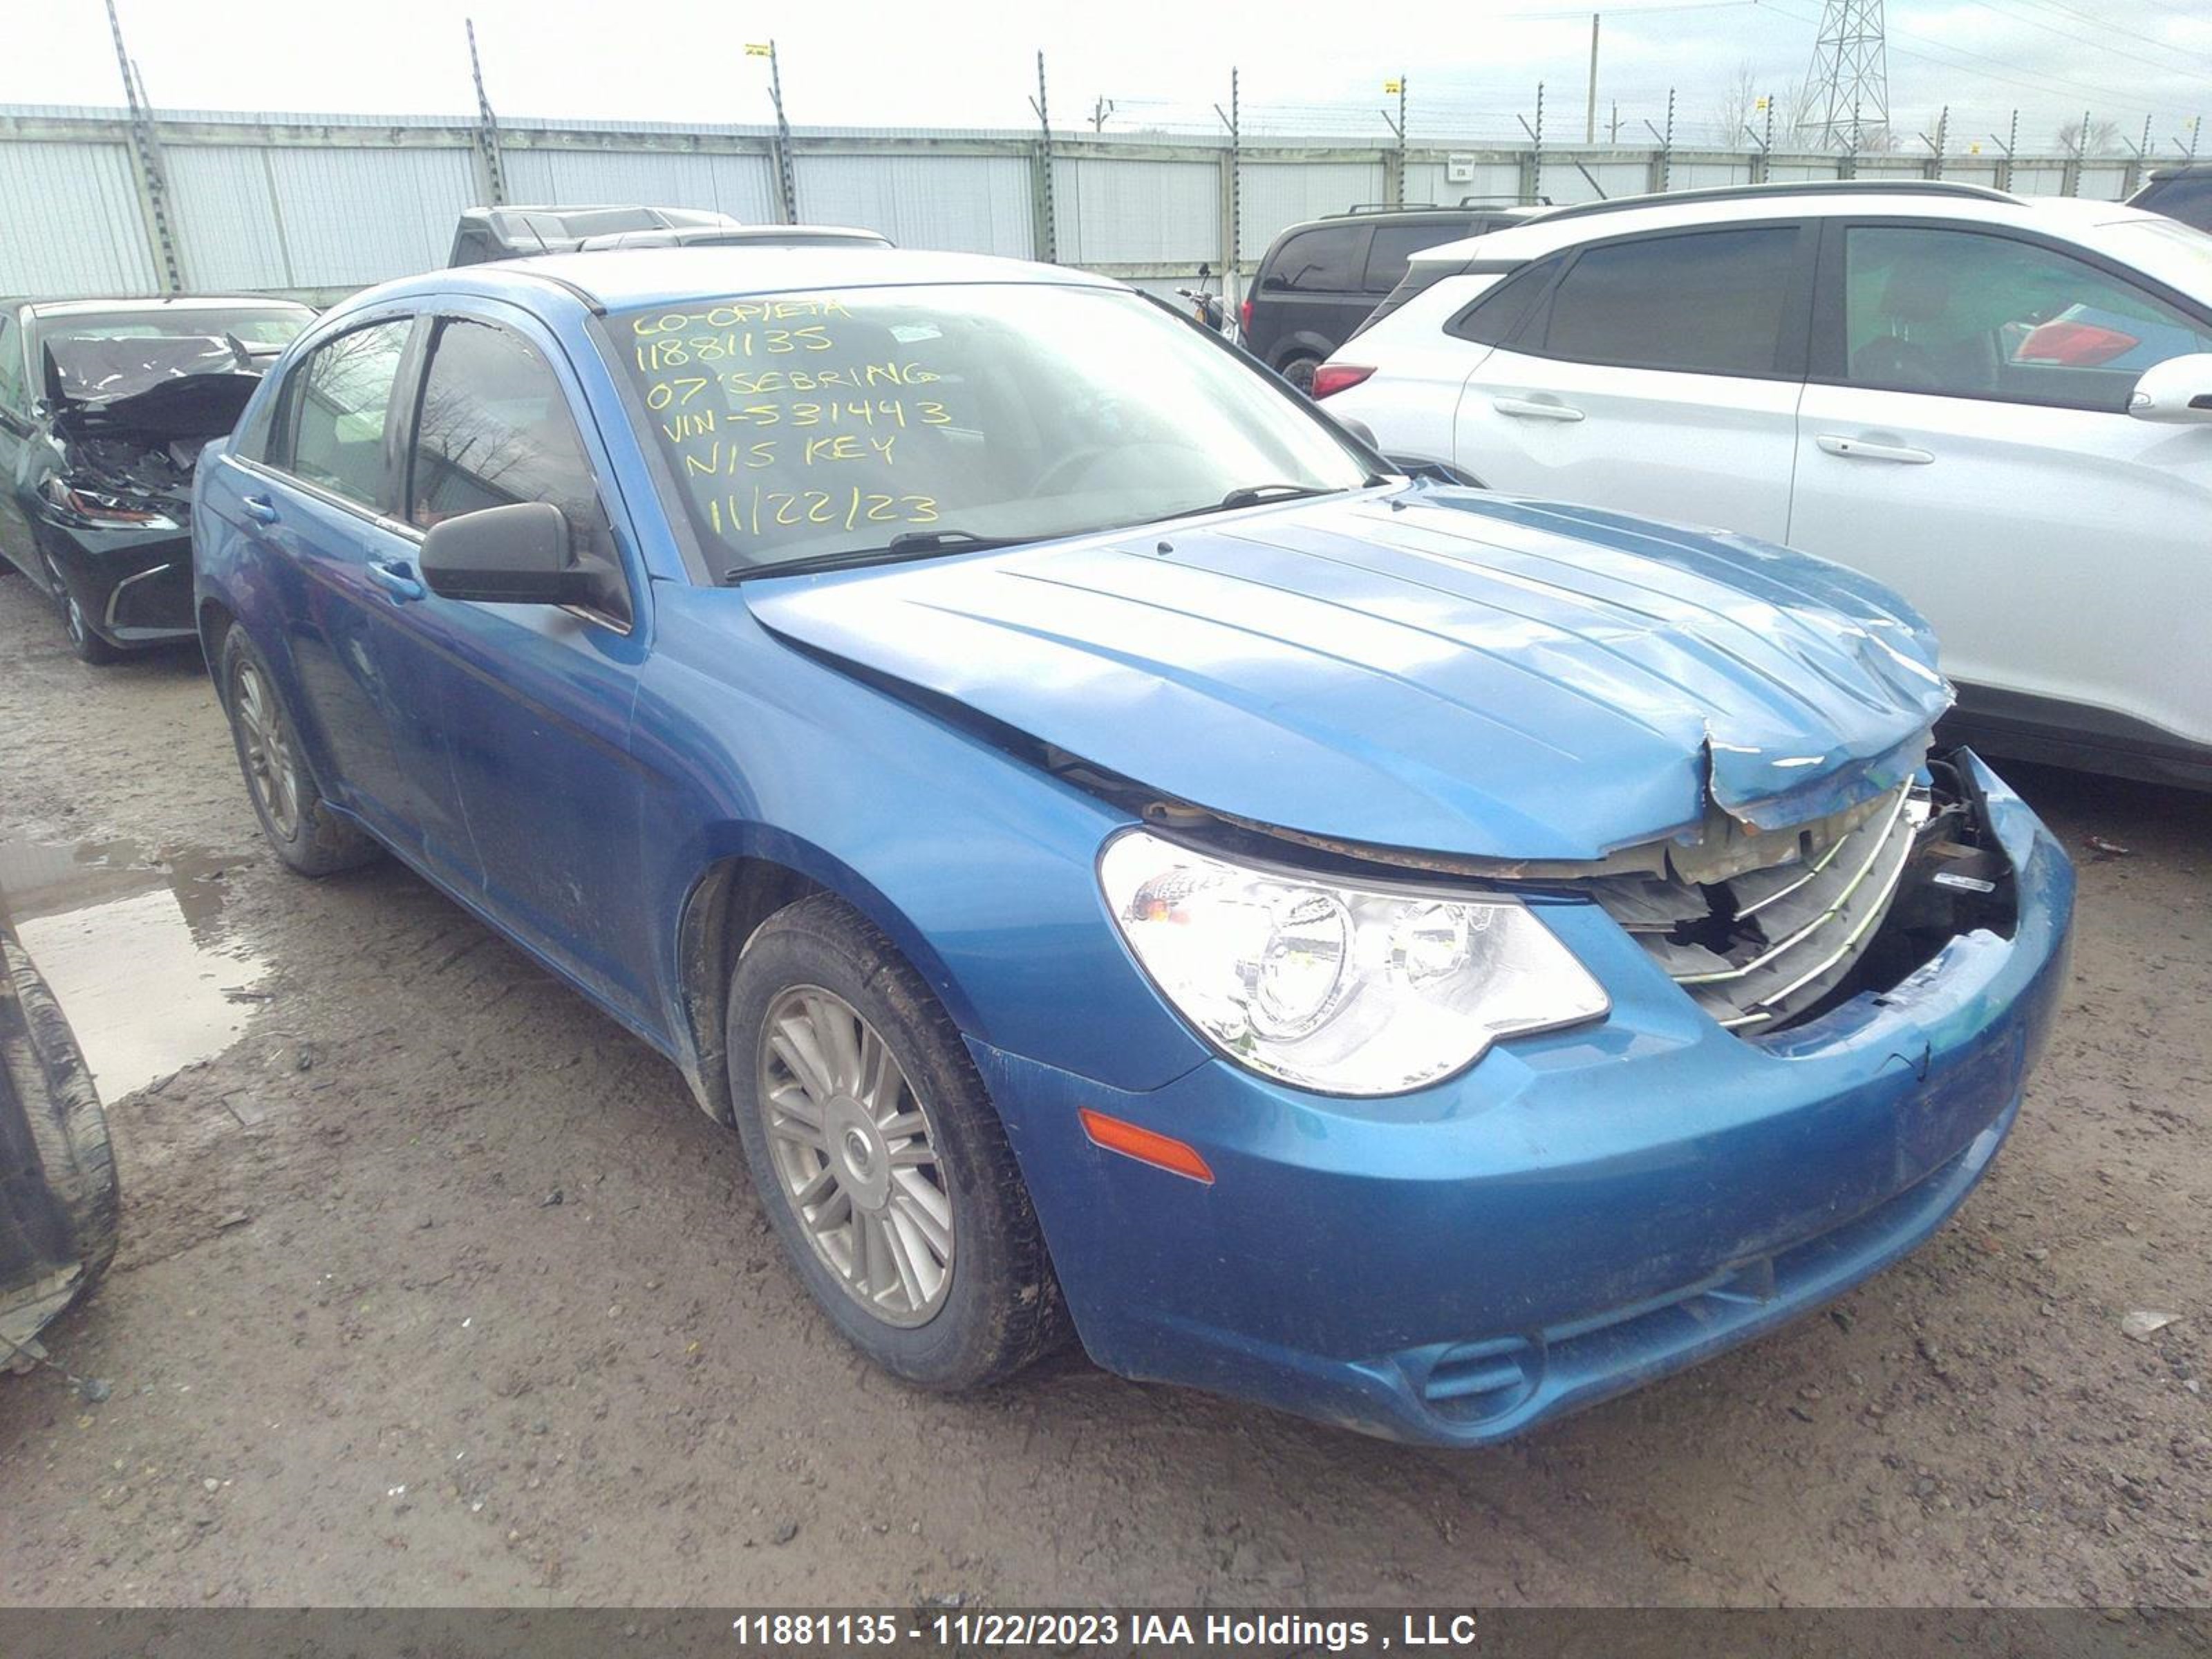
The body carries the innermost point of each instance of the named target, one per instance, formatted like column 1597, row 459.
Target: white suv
column 2001, row 408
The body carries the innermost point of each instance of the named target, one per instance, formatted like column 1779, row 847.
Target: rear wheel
column 883, row 1166
column 88, row 645
column 1299, row 371
column 300, row 827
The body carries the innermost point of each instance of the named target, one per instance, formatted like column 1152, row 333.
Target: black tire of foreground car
column 304, row 832
column 64, row 1118
column 873, row 1143
column 88, row 645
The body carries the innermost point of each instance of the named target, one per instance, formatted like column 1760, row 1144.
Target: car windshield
column 822, row 426
column 263, row 330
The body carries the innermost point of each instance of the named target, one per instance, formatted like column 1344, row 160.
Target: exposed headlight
column 1350, row 989
column 97, row 508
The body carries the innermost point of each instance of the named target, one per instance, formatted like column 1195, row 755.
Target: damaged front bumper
column 134, row 585
column 1579, row 1212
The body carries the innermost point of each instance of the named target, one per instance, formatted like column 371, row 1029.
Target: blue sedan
column 1124, row 859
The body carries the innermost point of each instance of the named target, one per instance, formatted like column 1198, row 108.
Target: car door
column 325, row 509
column 1965, row 438
column 535, row 700
column 1657, row 373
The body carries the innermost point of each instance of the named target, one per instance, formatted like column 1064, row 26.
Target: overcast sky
column 1306, row 65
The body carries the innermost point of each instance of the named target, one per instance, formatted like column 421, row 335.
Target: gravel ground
column 360, row 1353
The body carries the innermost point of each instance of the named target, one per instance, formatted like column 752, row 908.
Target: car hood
column 1432, row 669
column 175, row 386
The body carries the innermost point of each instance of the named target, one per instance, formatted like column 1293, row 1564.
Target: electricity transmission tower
column 1847, row 89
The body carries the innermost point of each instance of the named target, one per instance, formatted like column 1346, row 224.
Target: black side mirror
column 516, row 554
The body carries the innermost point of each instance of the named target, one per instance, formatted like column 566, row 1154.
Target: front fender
column 979, row 866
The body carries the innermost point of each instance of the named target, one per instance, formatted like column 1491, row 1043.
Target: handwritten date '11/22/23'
column 721, row 376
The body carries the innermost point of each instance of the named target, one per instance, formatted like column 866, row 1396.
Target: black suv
column 1319, row 280
column 2183, row 191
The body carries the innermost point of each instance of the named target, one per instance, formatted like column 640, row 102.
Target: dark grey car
column 1318, row 281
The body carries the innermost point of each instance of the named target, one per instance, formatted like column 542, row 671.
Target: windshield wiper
column 906, row 545
column 1253, row 495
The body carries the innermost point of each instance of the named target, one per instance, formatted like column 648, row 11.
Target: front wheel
column 883, row 1166
column 300, row 828
column 87, row 646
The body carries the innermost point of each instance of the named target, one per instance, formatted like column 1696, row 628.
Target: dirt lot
column 359, row 1352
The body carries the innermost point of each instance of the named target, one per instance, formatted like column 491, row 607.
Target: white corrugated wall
column 743, row 186
column 70, row 222
column 1112, row 211
column 963, row 204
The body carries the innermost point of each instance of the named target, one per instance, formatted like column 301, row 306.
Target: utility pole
column 1048, row 233
column 487, row 125
column 146, row 151
column 1590, row 109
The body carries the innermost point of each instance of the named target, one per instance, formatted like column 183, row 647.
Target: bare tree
column 2103, row 138
column 1735, row 107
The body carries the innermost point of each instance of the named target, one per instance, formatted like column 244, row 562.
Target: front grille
column 1769, row 944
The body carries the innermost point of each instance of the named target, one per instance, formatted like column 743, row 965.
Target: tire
column 1299, row 371
column 927, row 1123
column 67, row 1124
column 85, row 645
column 300, row 829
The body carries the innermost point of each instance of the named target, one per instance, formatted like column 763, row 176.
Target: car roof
column 78, row 308
column 617, row 279
column 1564, row 227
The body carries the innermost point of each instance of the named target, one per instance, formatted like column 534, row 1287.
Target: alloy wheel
column 270, row 768
column 856, row 1154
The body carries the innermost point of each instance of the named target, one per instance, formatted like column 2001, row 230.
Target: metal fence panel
column 1107, row 210
column 743, row 186
column 355, row 217
column 70, row 222
column 230, row 229
column 2104, row 184
column 1276, row 195
column 1564, row 182
column 964, row 203
column 1493, row 181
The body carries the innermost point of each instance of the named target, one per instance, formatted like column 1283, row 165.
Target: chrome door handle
column 1528, row 408
column 259, row 508
column 1858, row 449
column 396, row 580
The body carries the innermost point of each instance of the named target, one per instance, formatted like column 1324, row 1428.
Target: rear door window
column 1710, row 303
column 337, row 404
column 1329, row 259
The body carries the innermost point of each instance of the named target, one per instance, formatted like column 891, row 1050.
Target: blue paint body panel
column 1413, row 666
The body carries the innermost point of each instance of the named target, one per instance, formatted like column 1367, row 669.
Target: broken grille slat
column 1767, row 943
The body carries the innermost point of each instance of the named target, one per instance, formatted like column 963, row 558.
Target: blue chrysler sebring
column 1120, row 856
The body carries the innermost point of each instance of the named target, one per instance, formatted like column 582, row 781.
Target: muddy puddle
column 133, row 944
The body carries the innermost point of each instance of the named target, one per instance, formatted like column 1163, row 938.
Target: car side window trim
column 1792, row 340
column 424, row 351
column 1830, row 345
